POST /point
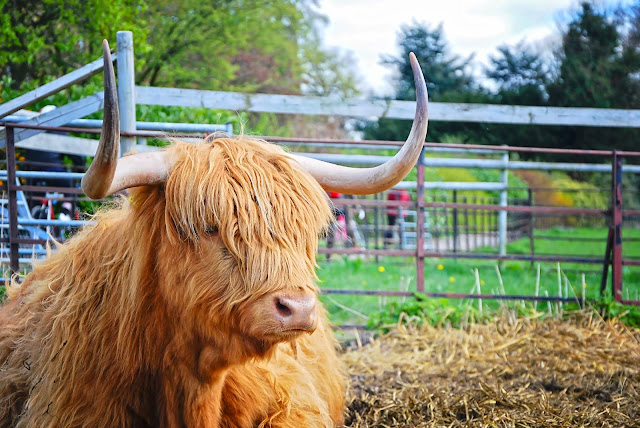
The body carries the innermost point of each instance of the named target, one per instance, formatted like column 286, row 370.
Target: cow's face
column 248, row 220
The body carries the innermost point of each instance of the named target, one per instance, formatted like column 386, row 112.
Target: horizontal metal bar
column 27, row 251
column 369, row 292
column 432, row 254
column 518, row 208
column 25, row 241
column 471, row 163
column 147, row 126
column 45, row 174
column 63, row 223
column 497, row 149
column 453, row 295
column 568, row 238
column 59, row 116
column 348, row 326
column 371, row 144
column 449, row 185
column 22, row 261
column 51, row 88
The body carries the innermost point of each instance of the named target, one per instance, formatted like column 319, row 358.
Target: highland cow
column 191, row 303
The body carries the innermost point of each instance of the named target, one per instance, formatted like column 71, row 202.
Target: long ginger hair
column 85, row 339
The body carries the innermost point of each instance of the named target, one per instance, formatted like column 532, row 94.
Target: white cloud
column 369, row 28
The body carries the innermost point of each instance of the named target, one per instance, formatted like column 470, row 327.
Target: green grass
column 446, row 275
column 441, row 275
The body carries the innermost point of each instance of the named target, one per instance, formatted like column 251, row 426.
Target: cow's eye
column 211, row 230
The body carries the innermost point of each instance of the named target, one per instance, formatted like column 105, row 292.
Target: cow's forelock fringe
column 255, row 197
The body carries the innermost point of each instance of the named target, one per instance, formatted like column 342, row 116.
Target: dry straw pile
column 575, row 372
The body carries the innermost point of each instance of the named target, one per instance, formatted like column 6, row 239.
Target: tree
column 520, row 74
column 446, row 77
column 521, row 77
column 446, row 72
column 41, row 39
column 232, row 45
column 243, row 45
column 596, row 70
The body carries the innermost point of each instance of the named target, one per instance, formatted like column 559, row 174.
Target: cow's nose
column 296, row 313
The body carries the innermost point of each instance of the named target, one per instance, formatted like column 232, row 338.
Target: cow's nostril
column 283, row 309
column 295, row 312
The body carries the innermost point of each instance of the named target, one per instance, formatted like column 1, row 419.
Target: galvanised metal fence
column 439, row 223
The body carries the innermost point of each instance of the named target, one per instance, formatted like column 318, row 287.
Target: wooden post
column 126, row 88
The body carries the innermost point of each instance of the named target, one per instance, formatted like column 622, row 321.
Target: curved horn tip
column 106, row 50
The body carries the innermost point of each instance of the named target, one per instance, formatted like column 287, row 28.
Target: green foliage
column 610, row 309
column 596, row 70
column 233, row 45
column 327, row 72
column 446, row 75
column 44, row 38
column 421, row 309
column 519, row 71
column 597, row 66
column 446, row 72
column 517, row 185
column 581, row 194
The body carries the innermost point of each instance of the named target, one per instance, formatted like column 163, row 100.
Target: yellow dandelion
column 440, row 267
column 452, row 279
column 364, row 282
column 482, row 282
column 380, row 268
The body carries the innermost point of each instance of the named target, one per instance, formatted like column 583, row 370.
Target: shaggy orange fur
column 155, row 316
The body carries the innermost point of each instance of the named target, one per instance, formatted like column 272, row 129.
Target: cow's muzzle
column 296, row 313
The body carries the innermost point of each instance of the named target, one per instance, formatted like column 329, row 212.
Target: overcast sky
column 368, row 28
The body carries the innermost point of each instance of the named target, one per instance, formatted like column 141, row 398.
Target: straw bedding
column 581, row 371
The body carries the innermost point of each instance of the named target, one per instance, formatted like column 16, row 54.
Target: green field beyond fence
column 458, row 276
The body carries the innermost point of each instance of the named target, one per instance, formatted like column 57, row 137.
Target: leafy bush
column 422, row 309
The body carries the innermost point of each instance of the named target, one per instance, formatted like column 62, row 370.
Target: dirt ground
column 575, row 372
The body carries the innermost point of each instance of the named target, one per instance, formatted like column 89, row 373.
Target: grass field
column 446, row 275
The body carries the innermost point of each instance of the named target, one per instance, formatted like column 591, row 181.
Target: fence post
column 531, row 225
column 126, row 88
column 502, row 226
column 420, row 226
column 455, row 222
column 14, row 256
column 616, row 203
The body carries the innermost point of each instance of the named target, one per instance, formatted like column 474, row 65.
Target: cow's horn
column 97, row 179
column 107, row 174
column 363, row 181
